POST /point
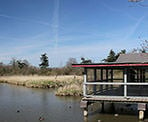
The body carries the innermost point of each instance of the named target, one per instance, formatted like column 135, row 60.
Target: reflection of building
column 125, row 80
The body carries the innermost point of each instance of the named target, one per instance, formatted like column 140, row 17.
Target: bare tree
column 85, row 61
column 144, row 46
column 140, row 2
column 70, row 62
column 134, row 0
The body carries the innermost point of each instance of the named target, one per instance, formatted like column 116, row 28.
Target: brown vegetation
column 65, row 85
column 66, row 80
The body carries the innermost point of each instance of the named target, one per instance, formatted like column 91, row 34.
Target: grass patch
column 70, row 90
column 44, row 84
column 65, row 85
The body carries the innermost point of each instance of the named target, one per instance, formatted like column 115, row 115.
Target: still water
column 21, row 104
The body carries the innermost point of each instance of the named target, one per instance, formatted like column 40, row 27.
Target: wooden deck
column 116, row 99
column 124, row 81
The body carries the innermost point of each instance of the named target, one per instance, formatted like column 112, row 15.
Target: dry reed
column 66, row 85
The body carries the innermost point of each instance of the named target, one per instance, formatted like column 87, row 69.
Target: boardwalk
column 116, row 99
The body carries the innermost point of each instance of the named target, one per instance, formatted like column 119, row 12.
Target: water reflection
column 20, row 104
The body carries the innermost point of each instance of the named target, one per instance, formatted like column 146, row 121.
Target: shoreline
column 64, row 85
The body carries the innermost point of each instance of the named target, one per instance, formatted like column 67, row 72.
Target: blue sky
column 69, row 28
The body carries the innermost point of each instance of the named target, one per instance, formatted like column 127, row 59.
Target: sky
column 70, row 29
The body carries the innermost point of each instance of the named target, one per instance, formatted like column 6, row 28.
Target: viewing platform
column 123, row 81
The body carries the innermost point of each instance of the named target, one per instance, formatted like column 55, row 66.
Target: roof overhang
column 111, row 65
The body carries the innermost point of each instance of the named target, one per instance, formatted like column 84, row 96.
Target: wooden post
column 141, row 115
column 106, row 78
column 125, row 81
column 95, row 78
column 102, row 107
column 84, row 84
column 137, row 75
column 111, row 77
column 101, row 73
column 143, row 75
column 84, row 106
column 141, row 108
column 113, row 107
column 85, row 112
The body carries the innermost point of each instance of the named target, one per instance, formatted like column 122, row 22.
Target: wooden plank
column 142, row 106
column 115, row 83
column 118, row 99
column 111, row 65
column 83, row 104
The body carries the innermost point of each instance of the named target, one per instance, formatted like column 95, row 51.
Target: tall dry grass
column 70, row 90
column 65, row 84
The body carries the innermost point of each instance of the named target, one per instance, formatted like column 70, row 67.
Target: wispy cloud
column 8, row 38
column 55, row 24
column 95, row 51
column 134, row 28
column 111, row 8
column 24, row 20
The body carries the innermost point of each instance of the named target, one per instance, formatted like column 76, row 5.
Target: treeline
column 112, row 56
column 23, row 67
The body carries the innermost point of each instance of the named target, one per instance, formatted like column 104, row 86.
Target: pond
column 21, row 104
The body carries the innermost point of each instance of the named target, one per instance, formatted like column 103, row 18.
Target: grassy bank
column 65, row 85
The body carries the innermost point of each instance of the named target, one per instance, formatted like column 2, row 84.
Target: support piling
column 141, row 108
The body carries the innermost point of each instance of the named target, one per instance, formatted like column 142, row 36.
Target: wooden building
column 125, row 80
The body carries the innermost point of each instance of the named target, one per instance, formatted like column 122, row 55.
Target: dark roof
column 124, row 60
column 133, row 58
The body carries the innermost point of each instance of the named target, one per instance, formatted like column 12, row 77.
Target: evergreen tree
column 111, row 57
column 44, row 61
column 121, row 52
